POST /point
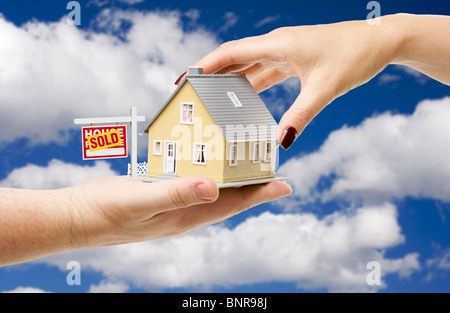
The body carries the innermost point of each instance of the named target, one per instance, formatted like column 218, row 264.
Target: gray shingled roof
column 252, row 121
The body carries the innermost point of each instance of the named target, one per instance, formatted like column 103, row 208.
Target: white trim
column 194, row 150
column 175, row 151
column 160, row 147
column 256, row 153
column 107, row 120
column 233, row 157
column 234, row 99
column 249, row 140
column 266, row 158
column 181, row 113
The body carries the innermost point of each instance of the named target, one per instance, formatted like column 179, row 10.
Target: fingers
column 231, row 202
column 252, row 70
column 267, row 78
column 246, row 68
column 313, row 97
column 243, row 51
column 173, row 194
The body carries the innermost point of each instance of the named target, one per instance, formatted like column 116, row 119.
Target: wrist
column 395, row 35
column 405, row 32
column 88, row 226
column 67, row 220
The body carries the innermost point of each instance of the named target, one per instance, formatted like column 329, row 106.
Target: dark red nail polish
column 288, row 137
column 177, row 82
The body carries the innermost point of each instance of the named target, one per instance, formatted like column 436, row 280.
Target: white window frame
column 233, row 156
column 195, row 150
column 155, row 152
column 256, row 156
column 268, row 144
column 182, row 121
column 234, row 99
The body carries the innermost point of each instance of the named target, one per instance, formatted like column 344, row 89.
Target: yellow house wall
column 167, row 127
column 247, row 169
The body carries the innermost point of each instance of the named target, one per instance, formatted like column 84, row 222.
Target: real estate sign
column 104, row 142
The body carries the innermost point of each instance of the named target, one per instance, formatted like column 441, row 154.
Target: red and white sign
column 97, row 146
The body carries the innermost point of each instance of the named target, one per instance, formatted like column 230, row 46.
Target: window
column 157, row 144
column 187, row 113
column 199, row 156
column 234, row 99
column 255, row 156
column 268, row 152
column 233, row 154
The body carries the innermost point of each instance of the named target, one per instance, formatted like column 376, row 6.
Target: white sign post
column 133, row 118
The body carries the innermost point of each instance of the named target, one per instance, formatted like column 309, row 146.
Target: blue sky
column 370, row 173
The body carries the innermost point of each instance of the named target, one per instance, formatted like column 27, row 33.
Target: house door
column 170, row 157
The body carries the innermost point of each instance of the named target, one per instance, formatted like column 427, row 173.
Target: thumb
column 311, row 100
column 184, row 192
column 147, row 199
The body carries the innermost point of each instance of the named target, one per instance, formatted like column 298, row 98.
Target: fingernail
column 202, row 192
column 177, row 82
column 288, row 137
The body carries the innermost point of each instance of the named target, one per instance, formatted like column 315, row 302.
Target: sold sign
column 104, row 142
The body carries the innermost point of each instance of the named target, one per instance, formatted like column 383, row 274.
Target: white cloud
column 330, row 253
column 57, row 174
column 26, row 290
column 267, row 20
column 386, row 78
column 109, row 287
column 418, row 76
column 52, row 73
column 193, row 14
column 230, row 19
column 277, row 104
column 442, row 261
column 98, row 3
column 131, row 1
column 101, row 3
column 387, row 156
column 438, row 266
column 393, row 77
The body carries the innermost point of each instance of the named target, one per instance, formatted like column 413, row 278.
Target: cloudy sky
column 370, row 175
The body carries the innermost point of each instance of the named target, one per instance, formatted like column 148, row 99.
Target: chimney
column 192, row 70
column 195, row 70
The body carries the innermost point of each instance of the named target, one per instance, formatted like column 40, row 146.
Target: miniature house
column 215, row 126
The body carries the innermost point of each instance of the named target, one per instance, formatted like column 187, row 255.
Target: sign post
column 104, row 141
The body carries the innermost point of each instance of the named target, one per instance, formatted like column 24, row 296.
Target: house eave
column 180, row 85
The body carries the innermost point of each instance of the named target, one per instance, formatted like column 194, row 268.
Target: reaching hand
column 332, row 59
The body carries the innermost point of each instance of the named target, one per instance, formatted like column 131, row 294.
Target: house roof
column 251, row 121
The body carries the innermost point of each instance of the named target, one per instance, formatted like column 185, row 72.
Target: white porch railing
column 141, row 169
